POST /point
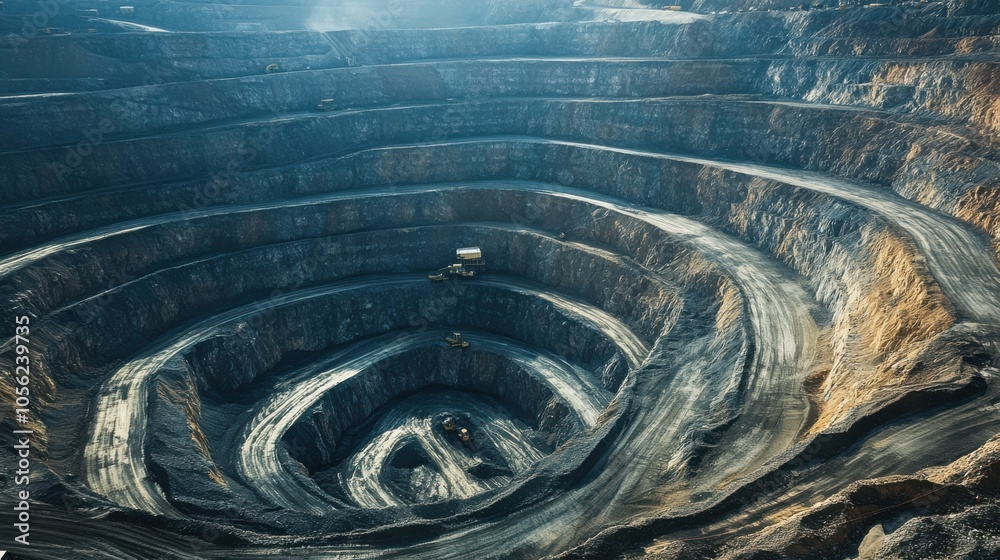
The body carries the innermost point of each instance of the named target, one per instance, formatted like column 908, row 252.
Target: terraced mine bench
column 742, row 300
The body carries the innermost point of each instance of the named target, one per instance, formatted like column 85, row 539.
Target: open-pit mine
column 484, row 279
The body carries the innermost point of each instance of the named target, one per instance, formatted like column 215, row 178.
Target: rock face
column 740, row 300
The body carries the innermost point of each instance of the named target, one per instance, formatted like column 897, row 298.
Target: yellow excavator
column 462, row 433
column 456, row 341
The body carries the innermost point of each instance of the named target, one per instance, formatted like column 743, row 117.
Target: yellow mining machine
column 463, row 433
column 456, row 341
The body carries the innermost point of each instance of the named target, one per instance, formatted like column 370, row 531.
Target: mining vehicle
column 451, row 270
column 463, row 433
column 456, row 341
column 439, row 274
column 470, row 262
column 471, row 258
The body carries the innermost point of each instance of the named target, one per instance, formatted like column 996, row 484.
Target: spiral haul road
column 730, row 285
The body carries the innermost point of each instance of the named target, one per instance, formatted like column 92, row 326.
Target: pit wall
column 963, row 91
column 191, row 279
column 951, row 7
column 888, row 312
column 190, row 447
column 129, row 317
column 106, row 61
column 690, row 188
column 152, row 300
column 981, row 207
column 257, row 15
column 143, row 110
column 352, row 402
column 935, row 169
column 495, row 163
column 179, row 450
column 132, row 316
column 231, row 360
column 864, row 270
column 871, row 30
column 886, row 308
column 145, row 59
column 243, row 359
column 351, row 14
